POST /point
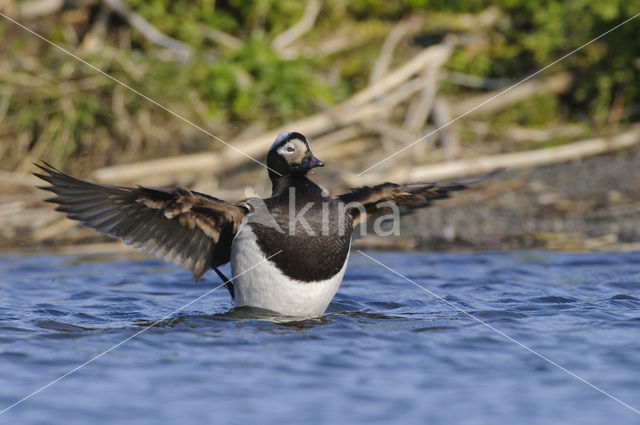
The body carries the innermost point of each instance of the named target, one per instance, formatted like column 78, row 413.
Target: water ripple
column 385, row 351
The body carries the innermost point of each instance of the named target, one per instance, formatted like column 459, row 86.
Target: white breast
column 265, row 286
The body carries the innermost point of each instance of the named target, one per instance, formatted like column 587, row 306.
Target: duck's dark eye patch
column 290, row 149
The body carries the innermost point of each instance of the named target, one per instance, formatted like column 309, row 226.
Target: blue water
column 386, row 351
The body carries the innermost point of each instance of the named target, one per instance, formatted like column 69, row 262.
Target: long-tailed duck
column 302, row 232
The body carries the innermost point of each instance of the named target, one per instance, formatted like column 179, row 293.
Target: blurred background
column 362, row 79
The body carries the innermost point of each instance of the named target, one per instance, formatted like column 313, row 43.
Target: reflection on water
column 385, row 351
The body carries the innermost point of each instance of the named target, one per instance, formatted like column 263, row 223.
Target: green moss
column 540, row 111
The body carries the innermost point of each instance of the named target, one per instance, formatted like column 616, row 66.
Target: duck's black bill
column 312, row 162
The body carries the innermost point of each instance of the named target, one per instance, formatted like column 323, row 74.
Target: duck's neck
column 282, row 184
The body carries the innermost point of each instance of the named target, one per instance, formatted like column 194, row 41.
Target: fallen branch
column 219, row 162
column 397, row 33
column 338, row 136
column 54, row 229
column 495, row 101
column 385, row 129
column 198, row 162
column 349, row 149
column 29, row 218
column 433, row 57
column 18, row 179
column 282, row 41
column 420, row 108
column 524, row 134
column 37, row 8
column 364, row 105
column 448, row 135
column 516, row 160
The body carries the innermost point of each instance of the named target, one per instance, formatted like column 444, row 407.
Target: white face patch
column 293, row 150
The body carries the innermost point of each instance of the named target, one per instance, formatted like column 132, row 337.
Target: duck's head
column 290, row 155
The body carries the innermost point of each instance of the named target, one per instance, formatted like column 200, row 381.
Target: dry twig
column 374, row 100
column 397, row 33
column 282, row 41
column 448, row 135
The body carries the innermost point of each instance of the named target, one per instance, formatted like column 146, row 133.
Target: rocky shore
column 590, row 204
column 579, row 205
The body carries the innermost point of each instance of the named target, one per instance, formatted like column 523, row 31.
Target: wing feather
column 407, row 196
column 189, row 229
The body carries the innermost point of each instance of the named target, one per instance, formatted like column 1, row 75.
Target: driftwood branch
column 18, row 179
column 389, row 131
column 516, row 160
column 556, row 84
column 421, row 107
column 282, row 41
column 393, row 88
column 219, row 162
column 523, row 134
column 338, row 136
column 432, row 57
column 397, row 33
column 36, row 8
column 448, row 134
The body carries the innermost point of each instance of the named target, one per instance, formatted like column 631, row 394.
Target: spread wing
column 186, row 228
column 369, row 200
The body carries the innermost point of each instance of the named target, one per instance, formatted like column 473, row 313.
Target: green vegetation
column 54, row 107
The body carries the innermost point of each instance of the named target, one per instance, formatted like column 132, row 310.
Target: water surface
column 385, row 352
